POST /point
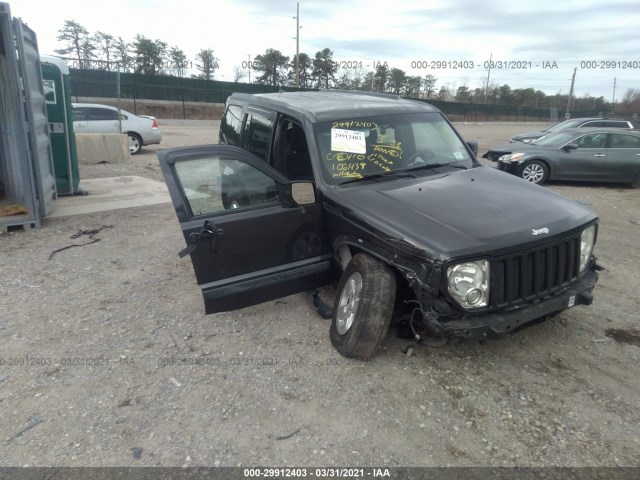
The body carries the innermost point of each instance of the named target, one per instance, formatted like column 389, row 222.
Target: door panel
column 624, row 157
column 587, row 162
column 248, row 241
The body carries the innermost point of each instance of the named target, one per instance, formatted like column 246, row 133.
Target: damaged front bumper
column 497, row 324
column 509, row 167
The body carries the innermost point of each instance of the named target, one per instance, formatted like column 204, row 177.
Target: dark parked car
column 580, row 154
column 573, row 123
column 382, row 196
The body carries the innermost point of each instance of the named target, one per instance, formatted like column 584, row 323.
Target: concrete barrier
column 102, row 147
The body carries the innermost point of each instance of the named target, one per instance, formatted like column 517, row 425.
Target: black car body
column 382, row 195
column 597, row 122
column 577, row 154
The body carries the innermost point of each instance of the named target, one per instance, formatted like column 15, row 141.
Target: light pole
column 297, row 17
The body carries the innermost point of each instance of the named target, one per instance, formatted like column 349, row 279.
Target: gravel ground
column 108, row 360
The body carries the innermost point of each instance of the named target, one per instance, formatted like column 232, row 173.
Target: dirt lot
column 108, row 360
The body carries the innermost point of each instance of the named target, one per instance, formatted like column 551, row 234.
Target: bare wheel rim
column 134, row 144
column 234, row 205
column 533, row 173
column 348, row 304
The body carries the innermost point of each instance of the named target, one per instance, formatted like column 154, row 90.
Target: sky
column 533, row 44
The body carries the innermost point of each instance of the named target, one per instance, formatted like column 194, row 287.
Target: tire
column 534, row 171
column 135, row 143
column 363, row 307
column 636, row 181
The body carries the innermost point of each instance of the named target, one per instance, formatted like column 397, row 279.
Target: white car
column 96, row 118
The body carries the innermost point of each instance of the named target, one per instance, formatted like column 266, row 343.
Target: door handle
column 209, row 231
column 599, row 155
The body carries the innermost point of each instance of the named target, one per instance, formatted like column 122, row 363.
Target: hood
column 462, row 213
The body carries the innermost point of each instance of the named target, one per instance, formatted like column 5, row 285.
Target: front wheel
column 363, row 307
column 135, row 143
column 534, row 171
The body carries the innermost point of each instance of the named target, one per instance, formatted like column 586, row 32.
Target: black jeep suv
column 382, row 195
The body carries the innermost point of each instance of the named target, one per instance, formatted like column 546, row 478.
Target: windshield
column 362, row 147
column 563, row 125
column 554, row 139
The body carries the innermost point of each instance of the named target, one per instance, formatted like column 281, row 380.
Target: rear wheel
column 363, row 307
column 135, row 143
column 534, row 171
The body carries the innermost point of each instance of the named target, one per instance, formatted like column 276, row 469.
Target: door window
column 231, row 125
column 593, row 140
column 296, row 164
column 213, row 185
column 258, row 134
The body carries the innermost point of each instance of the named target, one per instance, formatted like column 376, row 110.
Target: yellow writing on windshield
column 353, row 124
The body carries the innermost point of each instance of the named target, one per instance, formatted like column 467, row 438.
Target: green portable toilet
column 55, row 79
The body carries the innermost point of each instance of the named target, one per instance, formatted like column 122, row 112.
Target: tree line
column 155, row 57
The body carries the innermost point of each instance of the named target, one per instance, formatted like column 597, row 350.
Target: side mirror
column 570, row 146
column 473, row 145
column 303, row 193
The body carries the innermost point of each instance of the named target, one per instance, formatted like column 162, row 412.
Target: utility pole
column 298, row 44
column 567, row 114
column 613, row 100
column 486, row 87
column 249, row 65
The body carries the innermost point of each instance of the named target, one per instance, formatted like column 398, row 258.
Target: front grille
column 534, row 274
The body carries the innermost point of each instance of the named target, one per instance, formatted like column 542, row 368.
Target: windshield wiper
column 374, row 176
column 434, row 165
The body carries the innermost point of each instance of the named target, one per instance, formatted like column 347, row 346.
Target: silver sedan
column 96, row 118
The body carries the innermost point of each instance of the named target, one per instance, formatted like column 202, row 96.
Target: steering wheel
column 418, row 157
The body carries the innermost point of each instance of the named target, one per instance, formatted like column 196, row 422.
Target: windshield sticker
column 458, row 155
column 348, row 141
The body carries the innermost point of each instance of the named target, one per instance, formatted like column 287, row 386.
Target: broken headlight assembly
column 468, row 283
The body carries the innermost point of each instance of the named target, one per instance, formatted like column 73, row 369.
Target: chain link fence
column 161, row 96
column 164, row 96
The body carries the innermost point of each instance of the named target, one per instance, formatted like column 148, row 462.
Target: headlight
column 468, row 283
column 587, row 239
column 526, row 140
column 512, row 157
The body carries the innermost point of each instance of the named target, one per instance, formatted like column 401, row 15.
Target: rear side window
column 614, row 124
column 231, row 125
column 625, row 141
column 258, row 133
